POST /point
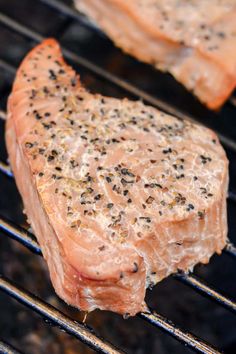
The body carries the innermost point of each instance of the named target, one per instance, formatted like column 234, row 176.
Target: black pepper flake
column 167, row 151
column 47, row 114
column 129, row 200
column 29, row 145
column 201, row 214
column 37, row 115
column 110, row 205
column 54, row 152
column 180, row 176
column 46, row 126
column 101, row 248
column 52, row 75
column 146, row 129
column 146, row 218
column 124, row 181
column 98, row 197
column 149, row 200
column 41, row 151
column 73, row 163
column 58, row 168
column 152, row 185
column 89, row 179
column 41, row 174
column 205, row 159
column 126, row 172
column 50, row 158
column 46, row 90
column 115, row 140
column 108, row 179
column 33, row 93
column 190, row 207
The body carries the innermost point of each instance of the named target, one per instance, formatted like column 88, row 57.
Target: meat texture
column 193, row 40
column 119, row 194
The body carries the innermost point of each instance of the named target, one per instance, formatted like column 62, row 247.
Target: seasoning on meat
column 121, row 198
column 193, row 40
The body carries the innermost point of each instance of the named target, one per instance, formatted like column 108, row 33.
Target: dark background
column 170, row 298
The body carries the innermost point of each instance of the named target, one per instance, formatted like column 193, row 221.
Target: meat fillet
column 119, row 194
column 193, row 40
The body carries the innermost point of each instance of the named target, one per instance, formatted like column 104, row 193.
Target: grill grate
column 77, row 329
column 8, row 349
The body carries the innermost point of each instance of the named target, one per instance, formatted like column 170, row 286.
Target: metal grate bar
column 81, row 332
column 105, row 75
column 75, row 328
column 7, row 67
column 187, row 338
column 230, row 250
column 71, row 13
column 6, row 348
column 27, row 239
column 199, row 285
column 5, row 169
column 232, row 101
column 3, row 115
column 19, row 234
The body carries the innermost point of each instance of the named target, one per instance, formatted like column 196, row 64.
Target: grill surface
column 104, row 76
